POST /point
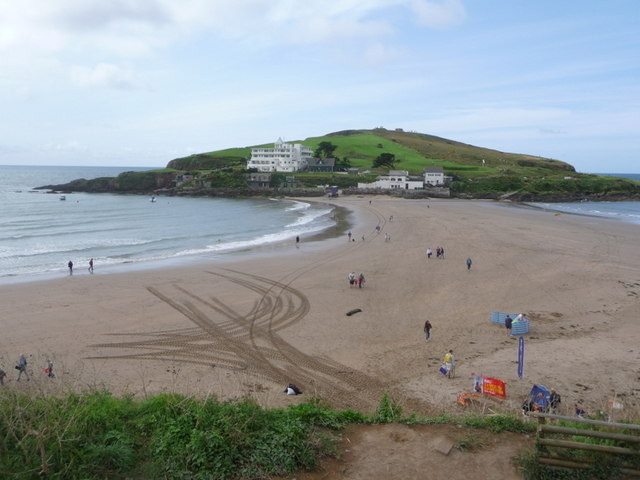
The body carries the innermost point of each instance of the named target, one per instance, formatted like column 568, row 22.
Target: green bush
column 135, row 181
column 97, row 435
column 388, row 411
column 488, row 185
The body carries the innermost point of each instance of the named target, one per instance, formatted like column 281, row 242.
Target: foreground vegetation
column 96, row 435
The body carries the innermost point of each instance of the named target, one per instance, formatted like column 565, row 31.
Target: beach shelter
column 517, row 328
column 528, row 404
column 536, row 389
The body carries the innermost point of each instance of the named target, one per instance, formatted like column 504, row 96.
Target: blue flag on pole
column 520, row 356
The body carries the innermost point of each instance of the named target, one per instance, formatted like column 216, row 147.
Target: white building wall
column 434, row 178
column 394, row 182
column 283, row 157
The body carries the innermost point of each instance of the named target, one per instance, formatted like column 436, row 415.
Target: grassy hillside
column 475, row 171
column 413, row 152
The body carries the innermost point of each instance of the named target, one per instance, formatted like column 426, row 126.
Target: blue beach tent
column 539, row 389
column 517, row 328
column 528, row 404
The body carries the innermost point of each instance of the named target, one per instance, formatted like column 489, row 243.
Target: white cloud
column 45, row 26
column 378, row 54
column 105, row 75
column 81, row 15
column 438, row 14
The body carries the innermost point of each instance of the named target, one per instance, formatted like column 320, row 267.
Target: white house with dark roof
column 283, row 157
column 394, row 180
column 434, row 176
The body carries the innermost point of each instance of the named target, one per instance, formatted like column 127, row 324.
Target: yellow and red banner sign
column 494, row 387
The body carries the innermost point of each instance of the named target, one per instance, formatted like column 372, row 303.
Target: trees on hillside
column 384, row 160
column 342, row 163
column 325, row 149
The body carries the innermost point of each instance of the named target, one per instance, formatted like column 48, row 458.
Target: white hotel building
column 283, row 157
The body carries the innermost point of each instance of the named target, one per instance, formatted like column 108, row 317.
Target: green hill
column 413, row 152
column 475, row 171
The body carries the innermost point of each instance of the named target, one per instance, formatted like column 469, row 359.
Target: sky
column 138, row 83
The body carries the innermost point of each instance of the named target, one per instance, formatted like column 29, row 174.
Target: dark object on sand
column 355, row 310
column 291, row 389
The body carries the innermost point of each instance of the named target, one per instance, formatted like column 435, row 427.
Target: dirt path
column 434, row 452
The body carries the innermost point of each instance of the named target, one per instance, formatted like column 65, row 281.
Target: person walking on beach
column 49, row 369
column 70, row 265
column 469, row 262
column 429, row 253
column 349, row 237
column 427, row 330
column 508, row 323
column 2, row 375
column 352, row 279
column 91, row 266
column 297, row 240
column 554, row 401
column 361, row 280
column 21, row 366
column 449, row 363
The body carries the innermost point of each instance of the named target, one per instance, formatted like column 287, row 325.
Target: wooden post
column 554, row 462
column 590, row 433
column 587, row 446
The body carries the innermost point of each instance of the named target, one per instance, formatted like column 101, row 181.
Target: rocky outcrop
column 163, row 184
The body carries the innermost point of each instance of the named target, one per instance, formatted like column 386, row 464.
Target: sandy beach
column 250, row 325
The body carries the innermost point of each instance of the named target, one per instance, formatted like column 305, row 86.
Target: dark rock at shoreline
column 111, row 185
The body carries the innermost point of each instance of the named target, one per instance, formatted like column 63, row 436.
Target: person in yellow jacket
column 449, row 363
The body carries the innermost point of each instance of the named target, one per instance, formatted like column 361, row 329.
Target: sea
column 622, row 211
column 40, row 232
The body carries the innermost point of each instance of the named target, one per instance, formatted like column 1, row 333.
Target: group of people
column 439, row 252
column 508, row 321
column 357, row 281
column 551, row 404
column 21, row 367
column 70, row 266
column 449, row 360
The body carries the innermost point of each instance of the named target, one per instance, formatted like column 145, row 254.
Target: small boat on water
column 152, row 199
column 62, row 197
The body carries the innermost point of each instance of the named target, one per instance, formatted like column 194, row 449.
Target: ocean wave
column 297, row 206
column 34, row 251
column 308, row 217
